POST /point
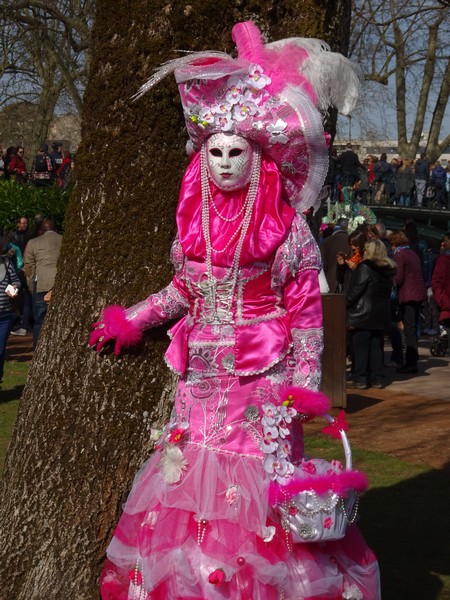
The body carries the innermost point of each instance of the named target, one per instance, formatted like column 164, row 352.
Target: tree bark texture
column 84, row 419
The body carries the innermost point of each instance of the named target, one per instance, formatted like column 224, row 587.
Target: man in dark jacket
column 22, row 234
column 349, row 164
column 42, row 169
column 331, row 246
column 421, row 175
column 56, row 157
column 438, row 179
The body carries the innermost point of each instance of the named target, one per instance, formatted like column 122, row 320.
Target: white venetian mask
column 229, row 160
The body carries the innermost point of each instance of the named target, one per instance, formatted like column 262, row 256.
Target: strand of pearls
column 354, row 513
column 139, row 592
column 201, row 530
column 221, row 217
column 242, row 229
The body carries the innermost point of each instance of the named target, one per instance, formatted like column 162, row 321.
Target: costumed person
column 213, row 513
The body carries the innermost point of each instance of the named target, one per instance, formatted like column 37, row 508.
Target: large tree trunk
column 84, row 419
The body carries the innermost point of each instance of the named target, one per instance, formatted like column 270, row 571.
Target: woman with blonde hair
column 368, row 314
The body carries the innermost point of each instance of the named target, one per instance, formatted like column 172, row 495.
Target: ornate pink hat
column 271, row 94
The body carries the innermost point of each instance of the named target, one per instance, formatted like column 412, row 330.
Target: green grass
column 404, row 516
column 12, row 387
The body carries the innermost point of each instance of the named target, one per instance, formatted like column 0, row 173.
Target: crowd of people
column 396, row 289
column 28, row 260
column 47, row 168
column 401, row 182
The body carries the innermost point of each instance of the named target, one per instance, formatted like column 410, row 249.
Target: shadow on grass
column 408, row 526
column 11, row 394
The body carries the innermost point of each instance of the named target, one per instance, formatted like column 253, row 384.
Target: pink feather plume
column 340, row 483
column 306, row 401
column 248, row 40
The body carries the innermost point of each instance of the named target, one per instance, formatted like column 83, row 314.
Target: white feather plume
column 171, row 65
column 172, row 464
column 334, row 77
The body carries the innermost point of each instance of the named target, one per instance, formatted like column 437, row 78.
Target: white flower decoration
column 172, row 464
column 244, row 109
column 224, row 121
column 221, row 108
column 256, row 77
column 283, row 430
column 276, row 132
column 267, row 533
column 269, row 443
column 235, row 90
column 287, row 413
column 207, row 115
column 278, row 468
column 352, row 592
column 284, row 448
column 271, row 416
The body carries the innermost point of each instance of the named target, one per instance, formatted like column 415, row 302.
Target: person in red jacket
column 441, row 284
column 63, row 170
column 412, row 292
column 17, row 166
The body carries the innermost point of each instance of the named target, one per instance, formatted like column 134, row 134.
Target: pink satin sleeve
column 303, row 302
column 168, row 304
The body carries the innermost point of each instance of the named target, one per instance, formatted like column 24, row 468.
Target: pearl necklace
column 212, row 290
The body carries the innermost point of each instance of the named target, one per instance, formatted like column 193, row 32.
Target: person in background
column 382, row 235
column 438, row 179
column 8, row 156
column 8, row 277
column 447, row 184
column 349, row 165
column 404, row 183
column 17, row 167
column 346, row 265
column 368, row 314
column 330, row 248
column 63, row 171
column 364, row 184
column 41, row 256
column 22, row 234
column 383, row 175
column 42, row 169
column 441, row 284
column 56, row 157
column 421, row 176
column 411, row 295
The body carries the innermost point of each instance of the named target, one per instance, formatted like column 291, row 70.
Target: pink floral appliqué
column 328, row 523
column 309, row 467
column 177, row 434
column 217, row 577
column 232, row 494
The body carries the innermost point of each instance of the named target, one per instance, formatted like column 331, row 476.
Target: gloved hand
column 114, row 325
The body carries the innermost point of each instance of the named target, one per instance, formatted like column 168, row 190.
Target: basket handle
column 345, row 443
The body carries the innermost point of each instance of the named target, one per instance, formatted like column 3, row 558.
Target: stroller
column 439, row 346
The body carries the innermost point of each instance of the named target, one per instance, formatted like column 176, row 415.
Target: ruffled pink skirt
column 203, row 529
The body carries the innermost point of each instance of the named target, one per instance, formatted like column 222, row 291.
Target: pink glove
column 114, row 326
